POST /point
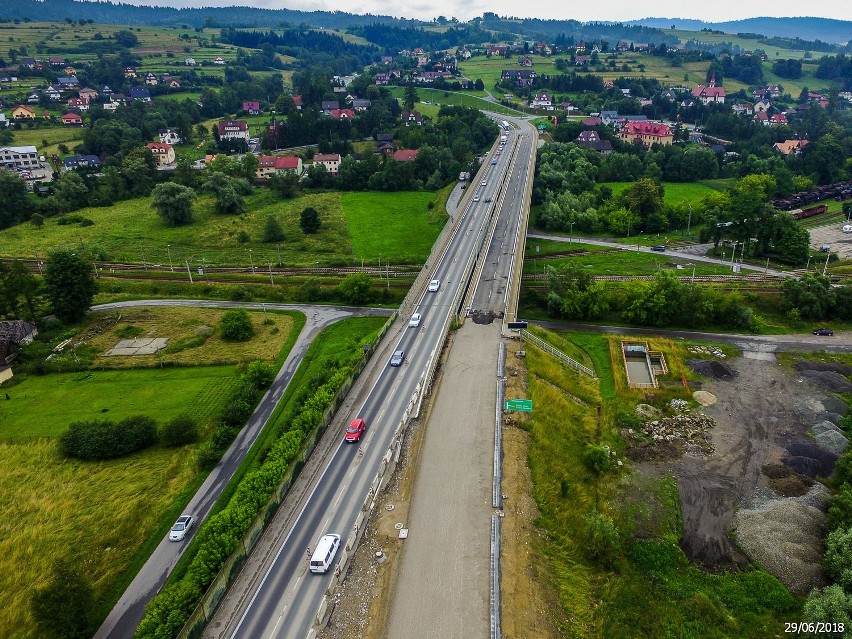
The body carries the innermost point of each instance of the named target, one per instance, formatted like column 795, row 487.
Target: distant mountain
column 807, row 28
column 127, row 14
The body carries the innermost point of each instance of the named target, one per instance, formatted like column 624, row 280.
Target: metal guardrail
column 496, row 631
column 547, row 348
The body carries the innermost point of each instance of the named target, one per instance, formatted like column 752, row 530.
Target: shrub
column 596, row 458
column 62, row 606
column 838, row 557
column 830, row 605
column 603, row 543
column 843, row 470
column 96, row 440
column 236, row 326
column 655, row 556
column 236, row 412
column 208, row 456
column 260, row 374
column 309, row 220
column 179, row 431
column 840, row 509
column 222, row 437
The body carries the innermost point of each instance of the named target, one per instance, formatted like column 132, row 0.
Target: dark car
column 355, row 430
column 824, row 331
column 659, row 248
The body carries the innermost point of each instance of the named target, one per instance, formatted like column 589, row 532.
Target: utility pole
column 689, row 220
column 189, row 272
column 278, row 248
column 271, row 281
column 825, row 266
column 169, row 249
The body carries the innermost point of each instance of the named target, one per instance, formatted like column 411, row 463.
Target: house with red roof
column 405, row 155
column 81, row 104
column 647, row 133
column 231, row 129
column 411, row 117
column 252, row 108
column 790, row 146
column 72, row 119
column 163, row 153
column 297, row 100
column 342, row 114
column 710, row 94
column 269, row 165
column 777, row 119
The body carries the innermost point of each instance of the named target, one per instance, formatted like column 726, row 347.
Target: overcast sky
column 613, row 10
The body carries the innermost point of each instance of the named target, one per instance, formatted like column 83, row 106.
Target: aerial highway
column 284, row 597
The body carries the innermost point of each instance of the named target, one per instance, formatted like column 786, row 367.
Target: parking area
column 833, row 236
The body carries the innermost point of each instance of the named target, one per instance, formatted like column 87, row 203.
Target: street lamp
column 169, row 249
column 278, row 248
column 251, row 261
column 571, row 231
column 692, row 279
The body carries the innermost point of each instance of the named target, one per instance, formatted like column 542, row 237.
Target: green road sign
column 519, row 404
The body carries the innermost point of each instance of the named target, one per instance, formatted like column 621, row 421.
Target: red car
column 355, row 430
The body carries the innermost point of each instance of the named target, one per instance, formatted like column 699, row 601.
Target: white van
column 847, row 228
column 325, row 552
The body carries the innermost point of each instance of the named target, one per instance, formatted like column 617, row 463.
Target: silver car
column 181, row 527
column 397, row 358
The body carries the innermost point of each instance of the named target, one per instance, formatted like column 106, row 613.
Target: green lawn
column 130, row 231
column 455, row 98
column 43, row 406
column 70, row 136
column 394, row 226
column 677, row 192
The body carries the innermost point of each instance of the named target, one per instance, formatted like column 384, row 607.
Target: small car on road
column 483, row 183
column 397, row 358
column 414, row 322
column 476, row 198
column 659, row 248
column 825, row 331
column 494, row 161
column 434, row 286
column 355, row 430
column 181, row 527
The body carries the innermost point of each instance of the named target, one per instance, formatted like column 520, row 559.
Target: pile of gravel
column 785, row 537
column 814, row 407
column 712, row 369
column 842, row 369
column 827, row 381
column 810, row 459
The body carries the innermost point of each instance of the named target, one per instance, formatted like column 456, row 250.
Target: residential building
column 169, row 136
column 710, row 94
column 218, row 61
column 190, row 62
column 170, row 81
column 81, row 104
column 72, row 119
column 297, row 100
column 360, row 104
column 76, row 161
column 68, row 83
column 743, row 108
column 3, row 121
column 521, row 77
column 88, row 94
column 790, row 146
column 56, row 61
column 405, row 155
column 129, row 72
column 269, row 165
column 53, row 94
column 232, row 129
column 252, row 108
column 342, row 114
column 18, row 157
column 542, row 101
column 27, row 63
column 139, row 93
column 151, row 79
column 23, row 112
column 328, row 106
column 163, row 153
column 411, row 117
column 778, row 119
column 331, row 161
column 592, row 140
column 647, row 133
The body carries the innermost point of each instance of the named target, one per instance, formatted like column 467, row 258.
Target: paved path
column 443, row 583
column 122, row 621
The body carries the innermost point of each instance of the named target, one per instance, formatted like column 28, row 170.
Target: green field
column 43, row 406
column 70, row 136
column 675, row 193
column 130, row 231
column 455, row 98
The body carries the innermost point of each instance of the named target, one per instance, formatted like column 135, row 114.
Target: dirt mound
column 810, row 459
column 484, row 317
column 842, row 369
column 828, row 381
column 785, row 482
column 712, row 369
column 785, row 537
column 670, row 437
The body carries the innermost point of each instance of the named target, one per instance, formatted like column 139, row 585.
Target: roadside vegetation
column 614, row 556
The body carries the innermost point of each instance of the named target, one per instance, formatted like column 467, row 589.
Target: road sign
column 519, row 404
column 514, row 326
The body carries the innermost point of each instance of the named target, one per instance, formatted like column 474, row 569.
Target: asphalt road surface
column 122, row 621
column 286, row 595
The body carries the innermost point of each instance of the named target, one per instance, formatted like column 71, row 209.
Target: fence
column 540, row 343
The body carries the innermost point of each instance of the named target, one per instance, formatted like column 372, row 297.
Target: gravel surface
column 804, row 365
column 712, row 369
column 827, row 381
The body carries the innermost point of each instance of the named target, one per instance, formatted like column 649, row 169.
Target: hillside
column 806, row 28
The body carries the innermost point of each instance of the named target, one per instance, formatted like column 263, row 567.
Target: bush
column 840, row 509
column 236, row 412
column 830, row 605
column 655, row 556
column 179, row 431
column 603, row 543
column 236, row 326
column 596, row 458
column 843, row 470
column 208, row 457
column 62, row 606
column 838, row 557
column 260, row 374
column 97, row 440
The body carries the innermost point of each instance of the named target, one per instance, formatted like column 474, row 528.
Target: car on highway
column 476, row 198
column 414, row 322
column 434, row 286
column 659, row 248
column 355, row 430
column 824, row 331
column 397, row 358
column 493, row 161
column 324, row 553
column 181, row 527
column 483, row 183
column 488, row 199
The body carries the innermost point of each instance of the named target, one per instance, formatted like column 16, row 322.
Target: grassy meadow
column 455, row 98
column 675, row 193
column 130, row 231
